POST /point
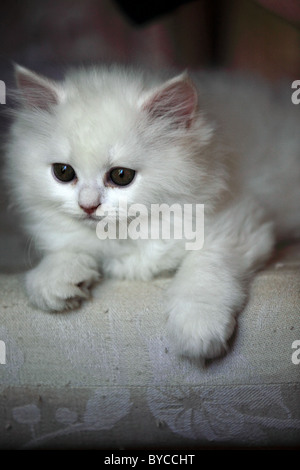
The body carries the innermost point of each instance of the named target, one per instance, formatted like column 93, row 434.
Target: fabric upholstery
column 105, row 376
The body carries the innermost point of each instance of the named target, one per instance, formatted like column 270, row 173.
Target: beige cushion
column 104, row 376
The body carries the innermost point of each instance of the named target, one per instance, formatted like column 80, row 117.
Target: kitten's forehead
column 96, row 123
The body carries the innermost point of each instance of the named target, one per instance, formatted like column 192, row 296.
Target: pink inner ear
column 177, row 101
column 37, row 91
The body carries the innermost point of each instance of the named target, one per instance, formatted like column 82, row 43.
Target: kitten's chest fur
column 140, row 259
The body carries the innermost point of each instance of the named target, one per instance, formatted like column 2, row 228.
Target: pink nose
column 89, row 209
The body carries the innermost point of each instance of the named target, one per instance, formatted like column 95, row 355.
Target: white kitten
column 109, row 135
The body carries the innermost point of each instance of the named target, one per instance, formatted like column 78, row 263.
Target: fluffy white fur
column 223, row 141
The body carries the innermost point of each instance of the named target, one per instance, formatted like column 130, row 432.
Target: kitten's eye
column 121, row 176
column 63, row 172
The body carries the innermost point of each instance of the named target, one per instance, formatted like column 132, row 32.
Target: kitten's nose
column 89, row 199
column 89, row 209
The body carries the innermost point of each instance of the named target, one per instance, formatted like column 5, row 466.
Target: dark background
column 261, row 35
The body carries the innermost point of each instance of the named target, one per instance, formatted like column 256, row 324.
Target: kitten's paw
column 61, row 283
column 199, row 329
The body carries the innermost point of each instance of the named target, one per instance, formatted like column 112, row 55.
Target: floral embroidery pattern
column 229, row 413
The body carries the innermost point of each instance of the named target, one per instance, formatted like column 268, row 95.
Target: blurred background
column 257, row 36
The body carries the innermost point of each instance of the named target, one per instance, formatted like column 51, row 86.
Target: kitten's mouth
column 91, row 218
column 96, row 218
column 88, row 218
column 112, row 216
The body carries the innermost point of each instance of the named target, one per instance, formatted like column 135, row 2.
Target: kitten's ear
column 177, row 100
column 37, row 91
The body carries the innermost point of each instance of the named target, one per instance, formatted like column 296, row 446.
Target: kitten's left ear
column 37, row 91
column 176, row 100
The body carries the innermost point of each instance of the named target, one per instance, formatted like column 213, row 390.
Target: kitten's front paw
column 199, row 329
column 61, row 282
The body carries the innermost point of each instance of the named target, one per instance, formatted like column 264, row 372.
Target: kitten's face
column 98, row 141
column 90, row 163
